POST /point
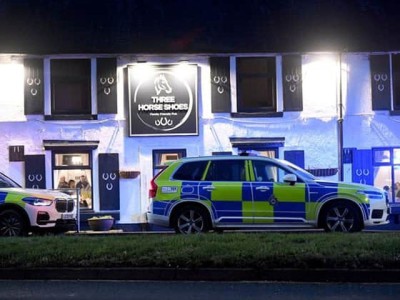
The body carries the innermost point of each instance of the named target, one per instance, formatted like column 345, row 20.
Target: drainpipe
column 340, row 123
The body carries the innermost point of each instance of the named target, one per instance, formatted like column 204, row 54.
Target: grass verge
column 236, row 250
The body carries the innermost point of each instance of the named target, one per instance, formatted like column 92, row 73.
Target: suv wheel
column 12, row 223
column 191, row 219
column 341, row 216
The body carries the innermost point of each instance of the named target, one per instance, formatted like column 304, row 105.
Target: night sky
column 193, row 26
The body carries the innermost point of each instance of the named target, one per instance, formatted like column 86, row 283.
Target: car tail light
column 154, row 186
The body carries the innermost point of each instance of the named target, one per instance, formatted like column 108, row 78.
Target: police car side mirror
column 290, row 178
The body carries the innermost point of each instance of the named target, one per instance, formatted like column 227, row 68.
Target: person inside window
column 397, row 191
column 71, row 184
column 62, row 184
column 85, row 191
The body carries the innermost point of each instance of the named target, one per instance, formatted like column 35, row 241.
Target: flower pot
column 100, row 224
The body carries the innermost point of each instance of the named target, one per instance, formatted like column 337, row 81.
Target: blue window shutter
column 220, row 84
column 33, row 87
column 295, row 156
column 107, row 85
column 292, row 83
column 362, row 171
column 380, row 82
column 109, row 181
column 35, row 171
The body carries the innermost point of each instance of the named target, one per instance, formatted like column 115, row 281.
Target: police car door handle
column 262, row 188
column 209, row 187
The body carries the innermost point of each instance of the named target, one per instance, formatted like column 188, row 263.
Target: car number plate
column 67, row 216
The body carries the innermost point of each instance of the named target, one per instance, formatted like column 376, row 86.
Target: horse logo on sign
column 161, row 84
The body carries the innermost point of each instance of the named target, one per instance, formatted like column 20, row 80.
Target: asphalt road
column 149, row 290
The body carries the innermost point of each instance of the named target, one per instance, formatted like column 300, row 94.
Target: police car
column 33, row 210
column 194, row 195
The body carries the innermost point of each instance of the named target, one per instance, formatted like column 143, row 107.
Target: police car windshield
column 6, row 182
column 303, row 173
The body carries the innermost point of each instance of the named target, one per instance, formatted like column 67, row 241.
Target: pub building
column 109, row 121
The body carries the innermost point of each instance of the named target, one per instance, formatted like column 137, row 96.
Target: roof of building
column 193, row 26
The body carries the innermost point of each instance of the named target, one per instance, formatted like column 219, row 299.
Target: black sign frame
column 163, row 100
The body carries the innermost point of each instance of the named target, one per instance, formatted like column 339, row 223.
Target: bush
column 250, row 250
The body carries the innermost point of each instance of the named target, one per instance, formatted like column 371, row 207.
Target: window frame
column 194, row 167
column 391, row 163
column 52, row 80
column 88, row 167
column 276, row 108
column 231, row 162
column 280, row 171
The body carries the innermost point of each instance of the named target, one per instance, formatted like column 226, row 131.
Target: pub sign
column 163, row 100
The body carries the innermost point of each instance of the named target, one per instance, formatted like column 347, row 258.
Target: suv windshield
column 298, row 170
column 6, row 182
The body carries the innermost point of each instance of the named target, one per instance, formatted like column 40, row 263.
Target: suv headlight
column 372, row 195
column 37, row 201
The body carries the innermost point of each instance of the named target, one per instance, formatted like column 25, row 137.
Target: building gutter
column 340, row 123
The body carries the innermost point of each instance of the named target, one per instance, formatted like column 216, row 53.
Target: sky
column 175, row 26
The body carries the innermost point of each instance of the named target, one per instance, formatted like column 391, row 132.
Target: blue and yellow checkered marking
column 3, row 196
column 242, row 201
column 10, row 197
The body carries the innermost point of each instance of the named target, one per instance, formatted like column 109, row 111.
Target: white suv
column 32, row 210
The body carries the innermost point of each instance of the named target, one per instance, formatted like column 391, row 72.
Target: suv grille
column 377, row 213
column 65, row 205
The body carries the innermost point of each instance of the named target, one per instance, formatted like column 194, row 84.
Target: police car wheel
column 341, row 216
column 191, row 220
column 11, row 223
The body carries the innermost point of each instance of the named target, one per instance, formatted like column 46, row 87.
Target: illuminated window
column 72, row 172
column 256, row 81
column 71, row 87
column 387, row 171
column 71, row 159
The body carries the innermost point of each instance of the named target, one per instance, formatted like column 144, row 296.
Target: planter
column 101, row 224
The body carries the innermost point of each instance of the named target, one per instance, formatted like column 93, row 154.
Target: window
column 162, row 157
column 256, row 81
column 70, row 87
column 268, row 172
column 226, row 170
column 387, row 171
column 396, row 81
column 191, row 171
column 72, row 171
column 264, row 172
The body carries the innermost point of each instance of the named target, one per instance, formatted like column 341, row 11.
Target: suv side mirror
column 290, row 178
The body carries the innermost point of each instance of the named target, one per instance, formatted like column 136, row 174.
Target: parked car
column 195, row 195
column 33, row 210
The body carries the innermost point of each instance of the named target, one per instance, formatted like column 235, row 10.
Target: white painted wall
column 313, row 130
